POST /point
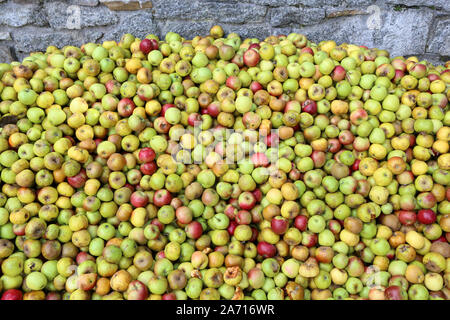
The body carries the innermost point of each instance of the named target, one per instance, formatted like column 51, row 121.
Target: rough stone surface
column 403, row 27
column 5, row 35
column 185, row 29
column 291, row 16
column 17, row 15
column 62, row 16
column 26, row 41
column 405, row 32
column 401, row 33
column 440, row 40
column 209, row 10
column 276, row 3
column 5, row 54
column 442, row 4
column 139, row 23
column 90, row 3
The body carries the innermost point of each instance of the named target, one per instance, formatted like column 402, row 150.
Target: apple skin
column 279, row 225
column 301, row 222
column 309, row 106
column 147, row 154
column 148, row 168
column 251, row 58
column 125, row 107
column 169, row 296
column 394, row 293
column 165, row 107
column 266, row 250
column 83, row 256
column 53, row 296
column 426, row 216
column 12, row 294
column 137, row 291
column 139, row 199
column 87, row 281
column 194, row 230
column 78, row 180
column 255, row 86
column 407, row 217
column 246, row 200
column 162, row 197
column 145, row 46
column 231, row 227
column 155, row 44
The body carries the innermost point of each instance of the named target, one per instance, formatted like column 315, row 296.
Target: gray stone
column 439, row 42
column 295, row 16
column 282, row 3
column 27, row 41
column 209, row 10
column 400, row 33
column 62, row 16
column 435, row 59
column 405, row 32
column 138, row 23
column 5, row 54
column 443, row 4
column 19, row 15
column 89, row 3
column 359, row 3
column 186, row 29
column 5, row 35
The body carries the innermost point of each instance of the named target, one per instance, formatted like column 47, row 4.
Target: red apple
column 213, row 109
column 231, row 211
column 146, row 46
column 394, row 293
column 257, row 194
column 12, row 294
column 125, row 107
column 426, row 216
column 246, row 200
column 162, row 197
column 78, row 180
column 231, row 227
column 194, row 230
column 406, row 217
column 251, row 58
column 279, row 225
column 169, row 296
column 309, row 106
column 139, row 199
column 266, row 250
column 137, row 291
column 148, row 168
column 155, row 44
column 255, row 86
column 301, row 222
column 147, row 154
column 83, row 256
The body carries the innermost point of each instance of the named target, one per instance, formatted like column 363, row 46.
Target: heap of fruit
column 223, row 168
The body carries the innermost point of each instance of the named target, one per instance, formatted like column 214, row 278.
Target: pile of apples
column 224, row 168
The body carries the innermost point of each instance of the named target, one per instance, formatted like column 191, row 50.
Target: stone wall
column 404, row 27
